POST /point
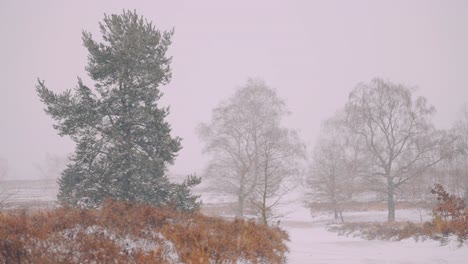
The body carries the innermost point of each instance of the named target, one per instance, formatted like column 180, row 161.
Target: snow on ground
column 309, row 241
column 29, row 193
column 313, row 244
column 402, row 215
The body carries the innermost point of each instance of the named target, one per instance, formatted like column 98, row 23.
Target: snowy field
column 29, row 193
column 309, row 241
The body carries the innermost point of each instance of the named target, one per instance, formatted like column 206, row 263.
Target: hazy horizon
column 312, row 52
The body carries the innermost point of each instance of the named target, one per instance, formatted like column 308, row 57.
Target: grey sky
column 312, row 52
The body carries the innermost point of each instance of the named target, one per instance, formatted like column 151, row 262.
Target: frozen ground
column 29, row 193
column 310, row 242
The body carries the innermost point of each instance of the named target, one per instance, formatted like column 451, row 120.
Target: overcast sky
column 312, row 52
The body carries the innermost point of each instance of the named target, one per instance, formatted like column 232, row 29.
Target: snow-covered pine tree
column 123, row 143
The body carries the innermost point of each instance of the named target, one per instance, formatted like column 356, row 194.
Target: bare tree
column 455, row 169
column 246, row 142
column 400, row 141
column 335, row 167
column 279, row 153
column 52, row 166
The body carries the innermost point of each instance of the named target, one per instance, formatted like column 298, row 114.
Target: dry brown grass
column 130, row 233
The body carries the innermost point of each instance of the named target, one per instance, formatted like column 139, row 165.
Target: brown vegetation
column 450, row 217
column 122, row 232
column 450, row 213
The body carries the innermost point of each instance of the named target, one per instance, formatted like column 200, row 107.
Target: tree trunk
column 264, row 216
column 335, row 208
column 264, row 207
column 240, row 207
column 391, row 203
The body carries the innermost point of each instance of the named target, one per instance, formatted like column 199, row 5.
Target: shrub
column 123, row 232
column 247, row 241
column 450, row 213
column 382, row 231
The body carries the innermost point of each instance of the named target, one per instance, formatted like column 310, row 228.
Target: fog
column 313, row 52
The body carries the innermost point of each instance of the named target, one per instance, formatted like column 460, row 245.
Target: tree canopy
column 123, row 143
column 400, row 141
column 253, row 154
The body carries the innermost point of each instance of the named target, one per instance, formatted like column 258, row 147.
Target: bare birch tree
column 336, row 166
column 280, row 151
column 456, row 168
column 245, row 141
column 400, row 141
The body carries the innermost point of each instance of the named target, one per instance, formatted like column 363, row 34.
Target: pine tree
column 123, row 143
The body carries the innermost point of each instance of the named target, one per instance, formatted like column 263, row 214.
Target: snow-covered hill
column 309, row 241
